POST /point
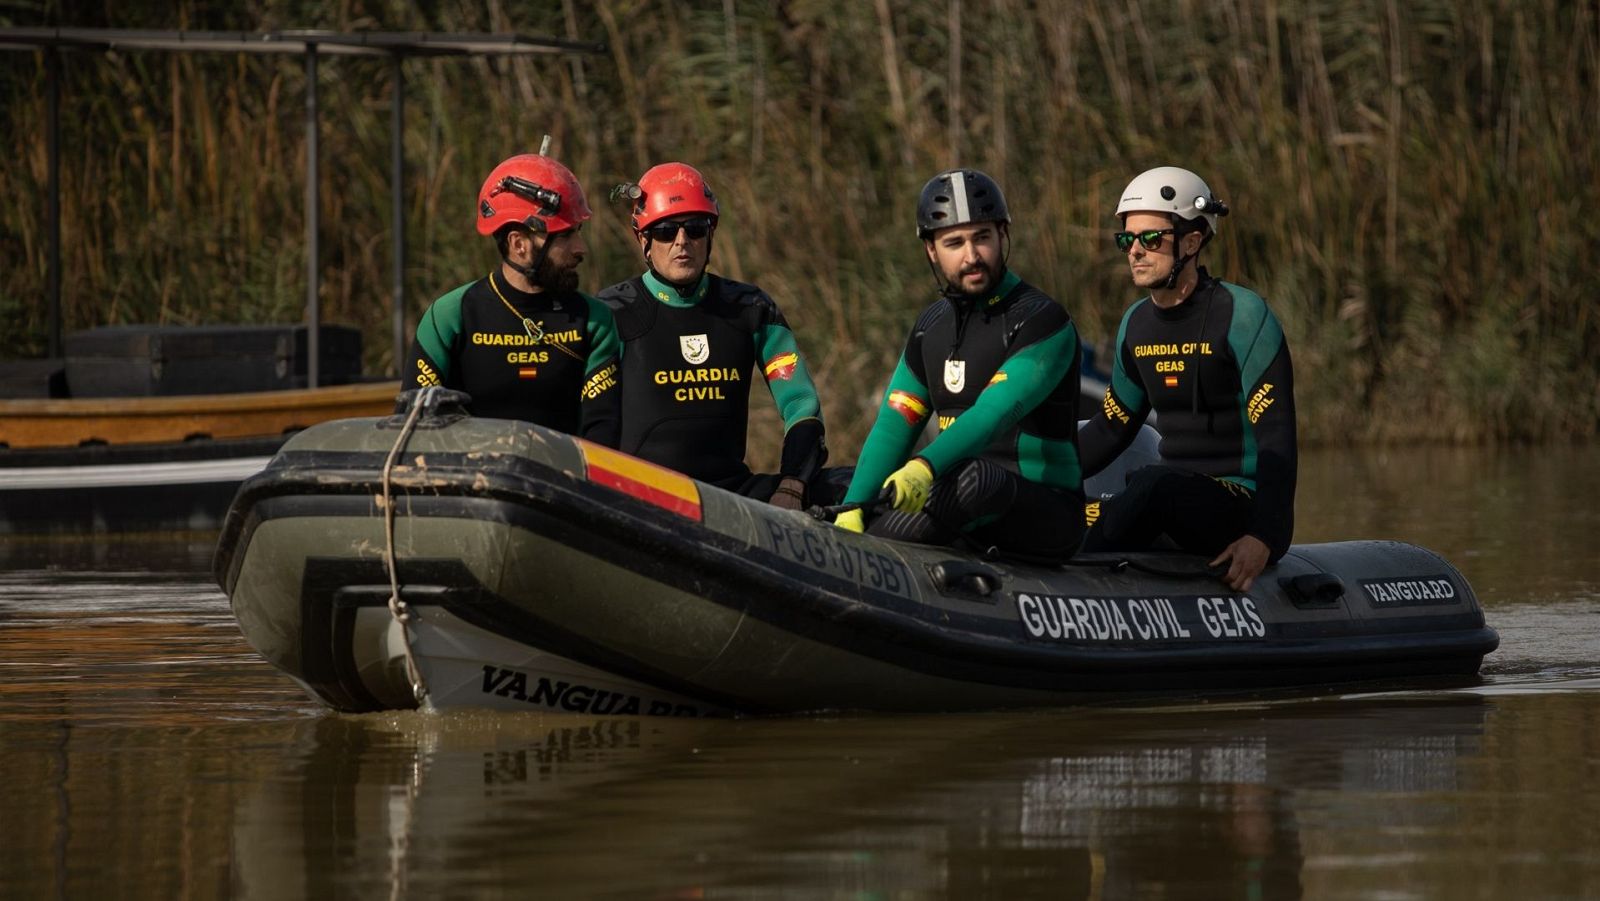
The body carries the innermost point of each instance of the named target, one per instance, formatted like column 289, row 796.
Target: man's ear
column 927, row 247
column 1192, row 247
column 519, row 243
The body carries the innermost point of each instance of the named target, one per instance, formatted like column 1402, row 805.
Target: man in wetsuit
column 1210, row 358
column 523, row 341
column 995, row 361
column 692, row 341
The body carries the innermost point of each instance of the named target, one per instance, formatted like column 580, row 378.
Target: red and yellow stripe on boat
column 646, row 481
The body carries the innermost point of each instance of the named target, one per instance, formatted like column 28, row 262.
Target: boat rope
column 397, row 606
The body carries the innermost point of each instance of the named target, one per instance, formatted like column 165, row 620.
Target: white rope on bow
column 397, row 607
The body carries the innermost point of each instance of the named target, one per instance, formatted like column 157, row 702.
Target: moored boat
column 440, row 559
column 116, row 464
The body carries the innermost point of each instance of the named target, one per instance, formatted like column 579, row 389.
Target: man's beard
column 959, row 286
column 557, row 279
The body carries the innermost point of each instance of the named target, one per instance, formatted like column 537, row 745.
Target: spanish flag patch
column 781, row 366
column 908, row 405
column 1171, row 381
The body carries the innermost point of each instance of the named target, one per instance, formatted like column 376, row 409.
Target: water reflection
column 164, row 552
column 148, row 753
column 136, row 644
column 1068, row 805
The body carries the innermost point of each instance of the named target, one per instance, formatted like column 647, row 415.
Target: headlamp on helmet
column 533, row 191
column 548, row 201
column 1176, row 192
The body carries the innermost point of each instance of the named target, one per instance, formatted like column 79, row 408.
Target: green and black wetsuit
column 545, row 358
column 1000, row 373
column 1216, row 370
column 687, row 363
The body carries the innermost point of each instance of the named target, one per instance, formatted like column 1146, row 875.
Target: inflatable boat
column 434, row 559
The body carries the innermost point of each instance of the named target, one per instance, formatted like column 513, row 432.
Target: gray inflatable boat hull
column 540, row 572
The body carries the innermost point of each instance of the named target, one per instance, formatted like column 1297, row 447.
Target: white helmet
column 1168, row 189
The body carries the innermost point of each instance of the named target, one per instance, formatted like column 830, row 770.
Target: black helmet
column 958, row 197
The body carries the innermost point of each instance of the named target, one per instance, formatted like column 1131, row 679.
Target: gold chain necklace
column 535, row 333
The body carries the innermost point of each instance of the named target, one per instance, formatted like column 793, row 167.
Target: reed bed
column 1414, row 184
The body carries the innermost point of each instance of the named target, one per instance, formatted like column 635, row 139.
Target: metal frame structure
column 398, row 46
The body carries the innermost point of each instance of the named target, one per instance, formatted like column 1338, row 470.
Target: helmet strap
column 1180, row 259
column 938, row 279
column 1177, row 268
column 536, row 269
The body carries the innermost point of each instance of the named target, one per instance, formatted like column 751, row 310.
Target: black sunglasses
column 1149, row 239
column 667, row 232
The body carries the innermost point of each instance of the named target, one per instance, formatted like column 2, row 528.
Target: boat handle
column 440, row 407
column 959, row 577
column 1313, row 588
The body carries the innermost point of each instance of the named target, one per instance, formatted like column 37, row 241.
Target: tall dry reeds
column 1414, row 184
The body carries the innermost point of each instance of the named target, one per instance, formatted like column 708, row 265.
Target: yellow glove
column 910, row 483
column 851, row 521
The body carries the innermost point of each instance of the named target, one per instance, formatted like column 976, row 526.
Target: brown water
column 147, row 753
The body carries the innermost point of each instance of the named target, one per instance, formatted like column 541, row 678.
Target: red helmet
column 671, row 189
column 531, row 190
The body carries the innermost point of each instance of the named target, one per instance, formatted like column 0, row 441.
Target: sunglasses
column 1150, row 240
column 667, row 232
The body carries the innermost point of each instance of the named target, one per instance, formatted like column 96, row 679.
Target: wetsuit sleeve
column 601, row 413
column 432, row 356
column 1022, row 382
column 1110, row 431
column 900, row 419
column 1266, row 402
column 789, row 380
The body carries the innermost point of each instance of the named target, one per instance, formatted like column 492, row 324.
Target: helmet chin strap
column 1179, row 261
column 532, row 273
